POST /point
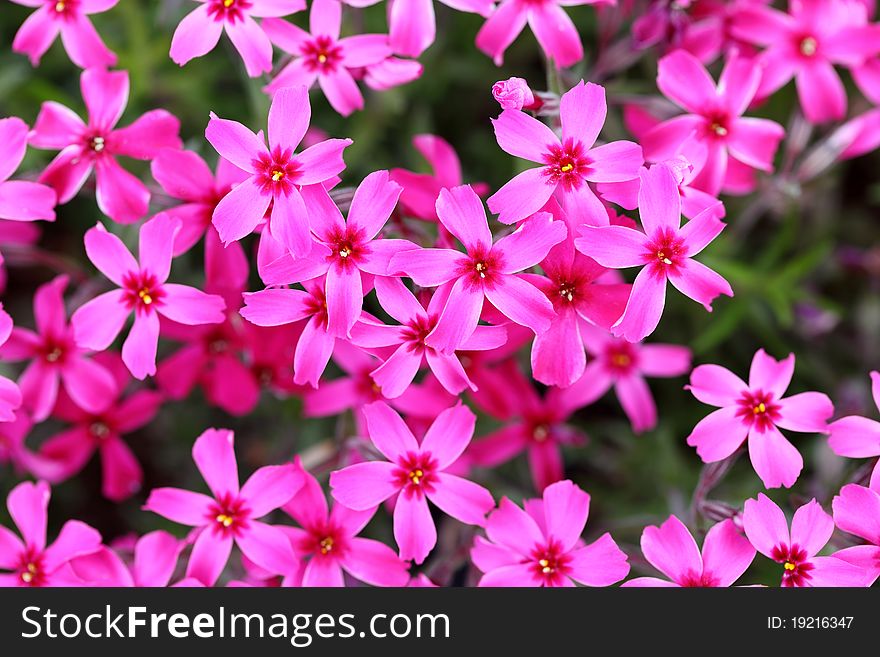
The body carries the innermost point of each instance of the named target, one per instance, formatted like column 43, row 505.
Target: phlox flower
column 420, row 190
column 200, row 30
column 276, row 174
column 582, row 292
column 391, row 72
column 408, row 340
column 327, row 542
column 665, row 250
column 756, row 411
column 541, row 544
column 811, row 528
column 714, row 117
column 95, row 145
column 55, row 358
column 672, row 550
column 857, row 511
column 142, row 290
column 31, row 561
column 415, row 473
column 568, row 164
column 69, row 18
column 537, row 427
column 15, row 234
column 855, row 436
column 101, row 430
column 624, row 365
column 551, row 26
column 348, row 253
column 324, row 57
column 513, row 94
column 485, row 271
column 805, row 44
column 231, row 515
column 10, row 394
column 184, row 175
column 20, row 200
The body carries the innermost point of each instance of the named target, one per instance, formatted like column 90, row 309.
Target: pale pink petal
column 682, row 78
column 209, row 556
column 97, row 323
column 727, row 554
column 775, row 459
column 182, row 506
column 522, row 196
column 501, row 29
column 718, row 435
column 770, row 375
column 461, row 211
column 109, row 254
column 807, row 411
column 644, row 308
column 196, row 35
column 364, row 485
column 583, row 110
column 601, row 563
column 522, row 135
column 556, row 33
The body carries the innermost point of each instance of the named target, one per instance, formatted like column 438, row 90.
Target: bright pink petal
column 182, row 506
column 97, row 323
column 364, row 485
column 718, row 435
column 616, row 247
column 821, row 92
column 252, row 44
column 27, row 504
column 696, row 281
column 513, row 528
column 268, row 547
column 449, row 435
column 196, row 35
column 770, row 375
column 522, row 135
column 556, row 33
column 109, row 255
column 414, row 529
column 807, row 411
column 187, row 305
column 209, row 556
column 775, row 459
column 501, row 29
column 811, row 527
column 644, row 308
column 388, row 431
column 522, row 196
column 682, row 78
column 461, row 211
column 637, row 401
column 727, row 554
column 374, row 563
column 600, row 563
column 521, row 302
column 270, row 487
column 659, row 200
column 412, row 26
column 215, row 458
column 120, row 195
column 322, row 161
column 716, row 385
column 583, row 110
column 462, row 499
column 566, row 508
column 765, row 525
column 529, row 244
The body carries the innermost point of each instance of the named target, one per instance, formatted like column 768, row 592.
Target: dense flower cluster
column 427, row 326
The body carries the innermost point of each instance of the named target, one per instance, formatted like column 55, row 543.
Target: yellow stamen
column 224, row 520
column 760, row 408
column 32, row 569
column 416, row 476
column 809, row 46
column 662, row 257
column 344, row 252
column 719, row 129
column 327, row 545
column 545, row 566
column 59, row 7
column 566, row 292
column 621, row 360
column 481, row 268
column 228, row 3
column 27, row 578
column 277, row 175
column 322, row 58
column 789, row 565
column 565, row 168
column 144, row 294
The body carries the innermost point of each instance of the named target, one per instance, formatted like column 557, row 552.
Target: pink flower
column 756, row 411
column 767, row 530
column 582, row 294
column 409, row 340
column 142, row 290
column 323, row 57
column 672, row 550
column 391, row 72
column 20, row 200
column 327, row 541
column 567, row 164
column 552, row 27
column 855, row 436
column 276, row 175
column 857, row 511
column 152, row 563
column 412, row 25
column 415, row 473
column 121, row 195
column 714, row 116
column 184, row 175
column 624, row 365
column 805, row 44
column 486, row 271
column 420, row 190
column 231, row 515
column 31, row 561
column 513, row 94
column 541, row 545
column 538, row 427
column 199, row 32
column 15, row 234
column 55, row 358
column 666, row 249
column 348, row 252
column 10, row 395
column 70, row 19
column 69, row 451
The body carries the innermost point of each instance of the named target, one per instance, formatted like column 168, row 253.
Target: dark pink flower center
column 807, row 45
column 481, row 267
column 316, row 305
column 63, row 9
column 550, row 563
column 717, row 125
column 757, row 408
column 276, row 172
column 228, row 10
column 416, row 473
column 666, row 252
column 699, row 580
column 620, row 357
column 321, row 54
column 796, row 566
column 539, row 427
column 99, row 429
column 95, row 143
column 325, row 540
column 54, row 350
column 228, row 516
column 566, row 164
column 30, row 569
column 347, row 247
column 143, row 291
column 416, row 331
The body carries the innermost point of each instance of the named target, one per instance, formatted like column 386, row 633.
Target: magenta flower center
column 30, row 570
column 796, row 566
column 316, row 305
column 326, row 540
column 566, row 164
column 99, row 430
column 665, row 252
column 142, row 291
column 416, row 473
column 417, row 330
column 808, row 46
column 540, row 428
column 321, row 54
column 481, row 267
column 228, row 516
column 550, row 562
column 620, row 357
column 64, row 9
column 759, row 409
column 54, row 350
column 347, row 247
column 717, row 125
column 228, row 10
column 699, row 580
column 276, row 172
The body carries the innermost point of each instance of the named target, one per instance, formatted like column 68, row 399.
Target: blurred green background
column 804, row 264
